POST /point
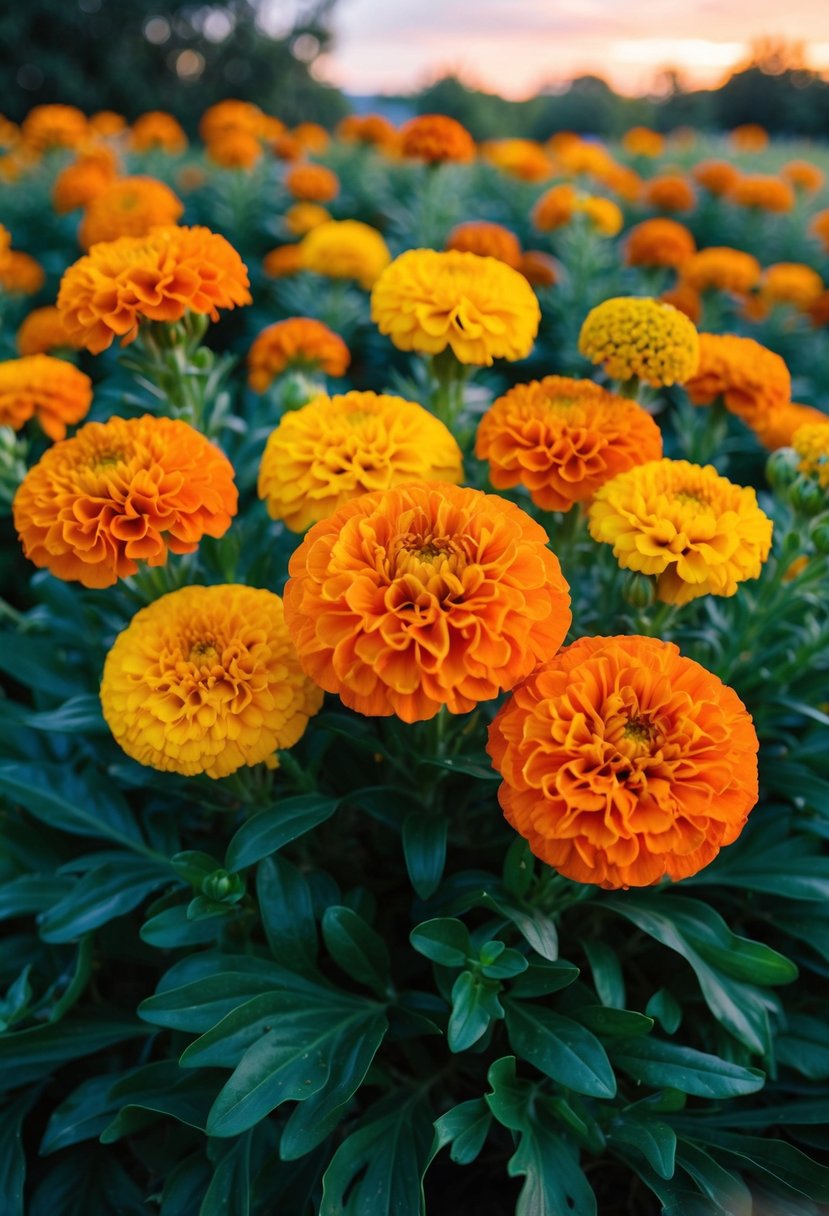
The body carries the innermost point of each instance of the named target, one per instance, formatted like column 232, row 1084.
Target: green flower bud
column 223, row 887
column 806, row 496
column 638, row 590
column 781, row 468
column 820, row 534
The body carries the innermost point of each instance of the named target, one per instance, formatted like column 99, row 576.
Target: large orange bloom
column 718, row 177
column 776, row 428
column 123, row 492
column 763, row 192
column 368, row 129
column 52, row 390
column 720, row 268
column 424, row 595
column 659, row 242
column 435, row 138
column 234, row 149
column 624, row 762
column 563, row 439
column 54, row 126
column 160, row 277
column 157, row 130
column 130, row 206
column 752, row 380
column 297, row 341
column 312, row 183
column 670, row 192
column 77, row 184
column 230, row 115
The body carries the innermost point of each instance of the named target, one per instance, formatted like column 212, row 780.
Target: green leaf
column 82, row 806
column 83, row 1182
column 198, row 1005
column 12, row 1158
column 654, row 1140
column 356, row 948
column 535, row 926
column 424, row 850
column 102, row 895
column 667, row 1010
column 519, row 867
column 269, row 830
column 669, row 1065
column 464, row 1128
column 81, row 1116
column 510, row 1096
column 607, row 972
column 30, row 893
column 605, row 1020
column 456, row 764
column 804, row 1046
column 474, row 1005
column 27, row 1055
column 172, row 929
column 720, row 1185
column 159, row 1089
column 554, row 1181
column 781, row 1166
column 540, row 979
column 443, row 940
column 560, row 1048
column 287, row 912
column 230, row 1191
column 80, row 714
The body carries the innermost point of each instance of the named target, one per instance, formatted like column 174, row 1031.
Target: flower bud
column 781, row 468
column 806, row 496
column 639, row 590
column 820, row 533
column 223, row 887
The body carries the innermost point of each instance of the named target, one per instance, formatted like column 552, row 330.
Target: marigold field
column 415, row 640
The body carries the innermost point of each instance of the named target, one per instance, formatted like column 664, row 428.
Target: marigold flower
column 637, row 336
column 521, row 158
column 555, row 208
column 158, row 130
column 686, row 298
column 21, row 274
column 642, row 141
column 234, row 149
column 481, row 308
column 563, row 439
column 580, row 156
column 624, row 762
column 819, row 227
column 301, row 341
column 312, row 183
column 751, row 380
column 696, row 532
column 719, row 268
column 811, row 442
column 790, row 283
column 718, row 177
column 803, row 175
column 43, row 331
column 670, row 192
column 539, row 268
column 77, row 184
column 230, row 115
column 206, row 680
column 107, row 123
column 285, row 147
column 622, row 180
column 312, row 137
column 603, row 214
column 776, row 428
column 54, row 126
column 303, row 217
column 487, row 240
column 763, row 191
column 345, row 249
column 435, row 138
column 368, row 129
column 750, row 137
column 5, row 244
column 159, row 277
column 282, row 262
column 424, row 595
column 122, row 492
column 659, row 242
column 818, row 310
column 52, row 390
column 130, row 206
column 336, row 448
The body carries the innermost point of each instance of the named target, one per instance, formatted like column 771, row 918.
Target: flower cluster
column 646, row 338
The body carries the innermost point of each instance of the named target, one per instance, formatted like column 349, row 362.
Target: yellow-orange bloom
column 686, row 298
column 336, row 448
column 764, row 192
column 312, row 183
column 230, row 115
column 160, row 277
column 312, row 137
column 521, row 158
column 206, row 680
column 603, row 214
column 694, row 531
column 819, row 227
column 719, row 268
column 563, row 439
column 659, row 242
column 77, row 184
column 51, row 390
column 752, row 381
column 622, row 180
column 368, row 129
column 718, row 177
column 625, row 762
column 282, row 262
column 811, row 442
column 301, row 218
column 43, row 331
column 424, row 595
column 285, row 147
column 670, row 192
column 158, row 130
column 580, row 156
column 123, row 492
column 479, row 307
column 803, row 175
column 790, row 283
column 642, row 141
column 130, row 206
column 345, row 249
column 436, row 137
column 234, row 149
column 555, row 207
column 106, row 123
column 637, row 336
column 297, row 341
column 750, row 137
column 539, row 268
column 776, row 428
column 487, row 240
column 21, row 274
column 54, row 126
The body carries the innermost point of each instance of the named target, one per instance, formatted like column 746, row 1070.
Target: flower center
column 203, row 653
column 107, row 458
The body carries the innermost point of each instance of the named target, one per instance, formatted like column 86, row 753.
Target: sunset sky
column 516, row 46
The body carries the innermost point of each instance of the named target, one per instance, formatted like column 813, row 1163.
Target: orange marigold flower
column 21, row 274
column 424, row 595
column 819, row 227
column 790, row 283
column 282, row 262
column 230, row 115
column 43, row 331
column 581, row 156
column 670, row 192
column 622, row 180
column 302, row 217
column 719, row 268
column 5, row 244
column 624, row 762
column 272, row 127
column 811, row 442
column 107, row 123
column 563, row 439
column 685, row 298
column 555, row 208
column 487, row 240
column 54, row 126
column 718, row 177
column 123, row 492
column 750, row 137
column 301, row 341
column 311, row 137
column 206, row 680
column 312, row 183
column 603, row 214
column 234, row 150
column 77, row 184
column 694, row 531
column 158, row 130
column 751, row 380
column 637, row 336
column 436, row 137
column 521, row 158
column 285, row 147
column 159, row 277
column 479, row 307
column 335, row 448
column 776, row 427
column 818, row 310
column 345, row 249
column 368, row 129
column 763, row 191
column 130, row 206
column 803, row 175
column 642, row 141
column 52, row 390
column 539, row 268
column 659, row 242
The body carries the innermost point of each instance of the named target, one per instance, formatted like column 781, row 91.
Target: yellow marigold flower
column 790, row 283
column 436, row 137
column 123, row 492
column 751, row 380
column 521, row 158
column 230, row 115
column 345, row 249
column 234, row 150
column 659, row 242
column 107, row 123
column 776, row 427
column 563, row 439
column 54, row 126
column 624, row 762
column 539, row 268
column 43, row 331
column 282, row 262
column 159, row 277
column 297, row 341
column 819, row 227
column 368, row 129
column 642, row 141
column 637, row 336
column 336, row 448
column 670, row 192
column 487, row 240
column 312, row 183
column 803, row 175
column 696, row 532
column 424, row 595
column 21, row 274
column 479, row 307
column 603, row 214
column 580, row 156
column 763, row 191
column 686, row 298
column 158, row 130
column 52, row 390
column 303, row 217
column 718, row 177
column 719, row 268
column 130, row 206
column 750, row 137
column 555, row 208
column 811, row 442
column 312, row 137
column 206, row 680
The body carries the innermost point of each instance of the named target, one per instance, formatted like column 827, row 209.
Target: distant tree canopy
column 136, row 55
